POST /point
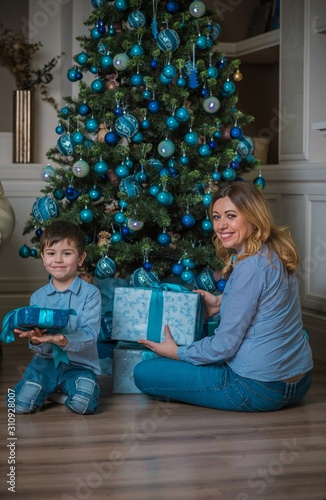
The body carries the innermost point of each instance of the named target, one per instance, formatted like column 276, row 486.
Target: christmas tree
column 146, row 143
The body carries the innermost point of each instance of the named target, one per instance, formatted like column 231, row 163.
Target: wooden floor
column 138, row 448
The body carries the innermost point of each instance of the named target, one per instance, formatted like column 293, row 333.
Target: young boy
column 63, row 252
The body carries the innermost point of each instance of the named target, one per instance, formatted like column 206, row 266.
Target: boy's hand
column 38, row 336
column 57, row 339
column 33, row 335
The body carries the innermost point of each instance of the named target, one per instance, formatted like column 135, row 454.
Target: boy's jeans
column 215, row 386
column 41, row 378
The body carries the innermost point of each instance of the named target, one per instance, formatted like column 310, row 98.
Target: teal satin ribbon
column 155, row 314
column 59, row 355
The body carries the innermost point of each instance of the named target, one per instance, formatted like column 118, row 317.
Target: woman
column 259, row 358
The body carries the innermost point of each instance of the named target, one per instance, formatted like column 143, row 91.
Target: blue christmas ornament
column 136, row 19
column 82, row 58
column 191, row 138
column 137, row 80
column 66, row 144
column 201, row 42
column 130, row 186
column 45, row 208
column 169, row 71
column 126, row 125
column 187, row 276
column 24, row 252
column 214, row 30
column 121, row 5
column 138, row 137
column 94, row 194
column 59, row 194
column 188, row 220
column 105, row 268
column 164, row 239
column 78, row 137
column 204, row 150
column 228, row 87
column 106, row 61
column 154, row 106
column 207, row 199
column 236, row 132
column 155, row 163
column 182, row 114
column 168, row 39
column 188, row 262
column 119, row 218
column 228, row 174
column 98, row 3
column 95, row 34
column 142, row 278
column 86, row 215
column 207, row 226
column 111, row 138
column 172, row 7
column 92, row 125
column 71, row 74
column 121, row 171
column 259, row 182
column 204, row 280
column 101, row 167
column 153, row 190
column 72, row 193
column 116, row 238
column 220, row 285
column 145, row 124
column 84, row 109
column 212, row 72
column 136, row 50
column 98, row 86
column 164, row 80
column 59, row 129
column 181, row 81
column 245, row 146
column 177, row 269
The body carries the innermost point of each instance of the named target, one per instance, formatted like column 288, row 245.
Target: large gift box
column 126, row 356
column 140, row 313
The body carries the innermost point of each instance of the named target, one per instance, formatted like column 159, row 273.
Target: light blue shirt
column 82, row 330
column 260, row 335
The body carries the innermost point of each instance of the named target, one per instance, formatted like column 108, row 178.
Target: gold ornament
column 103, row 130
column 103, row 238
column 112, row 82
column 237, row 76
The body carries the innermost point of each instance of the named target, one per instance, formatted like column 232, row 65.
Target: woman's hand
column 168, row 348
column 212, row 303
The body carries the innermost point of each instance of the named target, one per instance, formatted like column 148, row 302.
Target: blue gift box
column 126, row 356
column 140, row 313
column 29, row 317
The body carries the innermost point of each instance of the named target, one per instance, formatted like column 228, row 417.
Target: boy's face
column 61, row 260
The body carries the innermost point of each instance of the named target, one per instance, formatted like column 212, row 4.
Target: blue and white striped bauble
column 204, row 280
column 245, row 146
column 142, row 278
column 168, row 40
column 66, row 144
column 45, row 208
column 126, row 126
column 105, row 268
column 97, row 3
column 136, row 19
column 130, row 186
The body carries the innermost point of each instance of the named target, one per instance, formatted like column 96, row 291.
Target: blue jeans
column 215, row 386
column 41, row 378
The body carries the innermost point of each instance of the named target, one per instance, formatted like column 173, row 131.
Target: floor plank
column 143, row 449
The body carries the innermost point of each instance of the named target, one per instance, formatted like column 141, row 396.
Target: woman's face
column 229, row 225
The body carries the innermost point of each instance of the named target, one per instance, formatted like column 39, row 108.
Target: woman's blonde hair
column 252, row 205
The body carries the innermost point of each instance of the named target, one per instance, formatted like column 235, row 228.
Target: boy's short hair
column 63, row 230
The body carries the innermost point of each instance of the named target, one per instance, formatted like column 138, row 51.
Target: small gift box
column 140, row 313
column 29, row 317
column 126, row 356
